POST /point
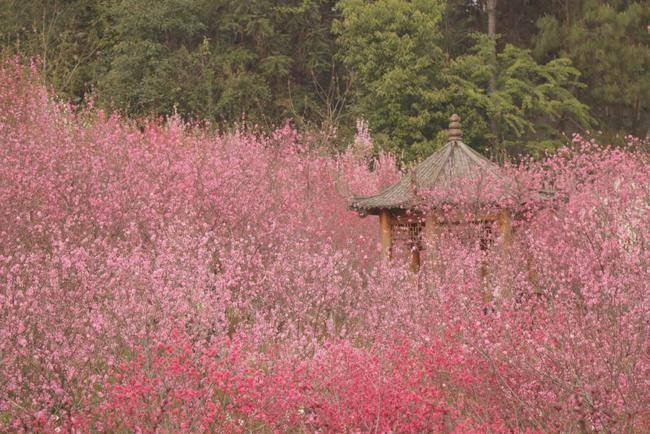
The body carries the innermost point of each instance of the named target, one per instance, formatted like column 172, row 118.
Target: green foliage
column 64, row 36
column 391, row 50
column 217, row 59
column 532, row 102
column 609, row 43
column 407, row 86
column 151, row 49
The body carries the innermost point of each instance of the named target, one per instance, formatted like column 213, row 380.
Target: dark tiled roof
column 453, row 163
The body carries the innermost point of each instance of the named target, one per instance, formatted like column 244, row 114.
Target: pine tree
column 609, row 43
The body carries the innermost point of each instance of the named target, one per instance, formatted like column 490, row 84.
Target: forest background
column 524, row 74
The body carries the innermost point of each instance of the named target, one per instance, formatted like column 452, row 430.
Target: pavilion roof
column 449, row 166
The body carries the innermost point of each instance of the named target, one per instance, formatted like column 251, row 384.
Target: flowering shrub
column 160, row 277
column 339, row 388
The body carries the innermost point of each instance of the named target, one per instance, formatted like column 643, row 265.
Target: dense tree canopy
column 608, row 42
column 215, row 59
column 407, row 84
column 391, row 49
column 549, row 69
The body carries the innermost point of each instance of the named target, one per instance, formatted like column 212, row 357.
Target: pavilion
column 406, row 216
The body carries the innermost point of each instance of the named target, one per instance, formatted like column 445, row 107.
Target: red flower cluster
column 339, row 388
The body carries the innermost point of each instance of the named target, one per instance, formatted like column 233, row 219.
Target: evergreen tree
column 531, row 104
column 215, row 59
column 609, row 43
column 221, row 59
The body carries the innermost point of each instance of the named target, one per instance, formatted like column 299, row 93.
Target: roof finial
column 454, row 132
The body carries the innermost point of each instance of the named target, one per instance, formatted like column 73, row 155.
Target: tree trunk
column 491, row 6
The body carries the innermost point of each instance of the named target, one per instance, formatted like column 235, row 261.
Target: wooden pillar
column 415, row 259
column 504, row 226
column 415, row 251
column 385, row 222
column 484, row 271
column 430, row 231
column 503, row 238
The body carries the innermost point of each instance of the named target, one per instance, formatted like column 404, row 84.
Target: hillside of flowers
column 161, row 277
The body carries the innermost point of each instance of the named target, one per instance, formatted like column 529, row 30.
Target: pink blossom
column 157, row 276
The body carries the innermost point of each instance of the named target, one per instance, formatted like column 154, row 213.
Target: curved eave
column 374, row 204
column 364, row 204
column 376, row 210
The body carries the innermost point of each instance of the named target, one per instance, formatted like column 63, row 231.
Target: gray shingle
column 453, row 163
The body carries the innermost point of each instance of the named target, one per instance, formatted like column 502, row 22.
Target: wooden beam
column 385, row 222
